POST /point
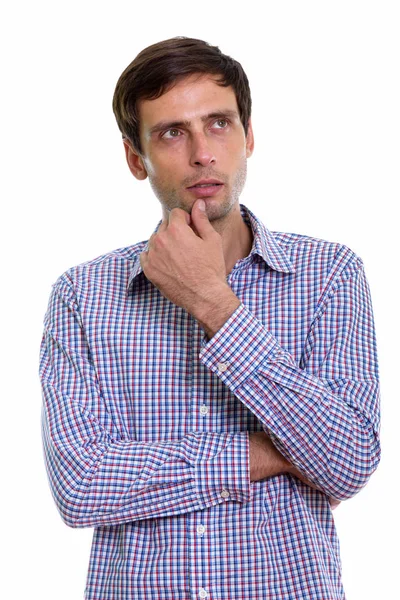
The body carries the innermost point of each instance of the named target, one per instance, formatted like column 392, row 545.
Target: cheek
column 156, row 168
column 165, row 175
column 235, row 149
column 166, row 163
column 236, row 157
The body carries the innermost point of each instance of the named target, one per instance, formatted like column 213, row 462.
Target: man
column 210, row 394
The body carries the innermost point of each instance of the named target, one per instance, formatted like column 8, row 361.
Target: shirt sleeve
column 99, row 478
column 323, row 413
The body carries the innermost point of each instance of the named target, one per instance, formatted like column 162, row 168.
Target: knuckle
column 174, row 229
column 159, row 241
column 177, row 210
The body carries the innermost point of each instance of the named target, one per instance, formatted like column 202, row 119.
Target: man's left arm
column 323, row 417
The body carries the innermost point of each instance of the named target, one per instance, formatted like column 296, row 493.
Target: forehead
column 188, row 99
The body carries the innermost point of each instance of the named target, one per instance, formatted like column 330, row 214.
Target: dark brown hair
column 157, row 68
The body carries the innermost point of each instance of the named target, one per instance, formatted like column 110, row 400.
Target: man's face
column 194, row 146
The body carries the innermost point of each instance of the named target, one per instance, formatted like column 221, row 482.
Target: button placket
column 202, row 410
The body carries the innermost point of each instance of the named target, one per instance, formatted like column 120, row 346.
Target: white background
column 325, row 86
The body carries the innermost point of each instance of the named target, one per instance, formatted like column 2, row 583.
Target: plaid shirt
column 146, row 422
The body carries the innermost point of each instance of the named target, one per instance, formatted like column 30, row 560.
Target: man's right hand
column 267, row 461
column 265, row 458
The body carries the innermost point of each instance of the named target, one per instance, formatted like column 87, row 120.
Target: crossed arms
column 325, row 433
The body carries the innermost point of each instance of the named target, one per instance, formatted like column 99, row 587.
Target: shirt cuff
column 239, row 347
column 225, row 476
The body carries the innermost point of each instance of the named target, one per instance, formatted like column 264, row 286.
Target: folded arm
column 98, row 476
column 322, row 415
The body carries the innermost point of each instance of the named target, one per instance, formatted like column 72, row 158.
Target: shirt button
column 225, row 494
column 203, row 593
column 222, row 367
column 201, row 529
column 203, row 410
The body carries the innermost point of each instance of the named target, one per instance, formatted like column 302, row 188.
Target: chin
column 216, row 210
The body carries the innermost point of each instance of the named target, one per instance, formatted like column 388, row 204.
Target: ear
column 134, row 160
column 249, row 140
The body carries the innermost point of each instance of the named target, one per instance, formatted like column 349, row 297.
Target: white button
column 225, row 494
column 203, row 593
column 222, row 367
column 201, row 529
column 203, row 410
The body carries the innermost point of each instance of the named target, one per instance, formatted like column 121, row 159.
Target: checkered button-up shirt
column 146, row 422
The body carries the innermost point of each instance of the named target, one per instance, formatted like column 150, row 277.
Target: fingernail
column 202, row 205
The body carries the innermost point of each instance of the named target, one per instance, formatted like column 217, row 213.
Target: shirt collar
column 264, row 244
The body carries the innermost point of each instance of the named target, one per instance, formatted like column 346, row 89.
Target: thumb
column 200, row 219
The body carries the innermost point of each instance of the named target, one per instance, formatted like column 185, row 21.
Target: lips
column 203, row 183
column 206, row 189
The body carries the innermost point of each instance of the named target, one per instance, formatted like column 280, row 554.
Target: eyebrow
column 165, row 125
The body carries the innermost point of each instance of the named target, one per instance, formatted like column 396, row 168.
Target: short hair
column 157, row 68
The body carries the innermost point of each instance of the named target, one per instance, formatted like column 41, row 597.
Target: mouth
column 205, row 183
column 206, row 188
column 202, row 185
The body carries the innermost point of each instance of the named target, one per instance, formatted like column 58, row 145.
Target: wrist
column 216, row 309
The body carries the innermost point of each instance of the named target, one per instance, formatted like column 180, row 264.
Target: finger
column 143, row 259
column 162, row 227
column 151, row 239
column 200, row 219
column 180, row 216
column 334, row 503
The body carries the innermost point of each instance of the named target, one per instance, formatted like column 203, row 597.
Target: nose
column 201, row 152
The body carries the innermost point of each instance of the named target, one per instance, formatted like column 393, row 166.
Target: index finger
column 179, row 215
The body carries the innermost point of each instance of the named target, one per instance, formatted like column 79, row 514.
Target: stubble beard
column 217, row 209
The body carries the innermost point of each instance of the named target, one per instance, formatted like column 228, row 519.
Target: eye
column 221, row 123
column 171, row 133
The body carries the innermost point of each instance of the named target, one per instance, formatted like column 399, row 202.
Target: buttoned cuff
column 225, row 476
column 239, row 347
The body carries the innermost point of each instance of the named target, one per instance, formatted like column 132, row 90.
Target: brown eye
column 221, row 123
column 171, row 133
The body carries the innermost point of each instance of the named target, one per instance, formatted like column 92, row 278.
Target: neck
column 237, row 238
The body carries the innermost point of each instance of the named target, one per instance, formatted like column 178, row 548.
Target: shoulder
column 106, row 269
column 321, row 268
column 306, row 255
column 306, row 252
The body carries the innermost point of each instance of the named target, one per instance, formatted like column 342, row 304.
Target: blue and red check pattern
column 146, row 422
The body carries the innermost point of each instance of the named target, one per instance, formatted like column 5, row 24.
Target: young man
column 210, row 394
